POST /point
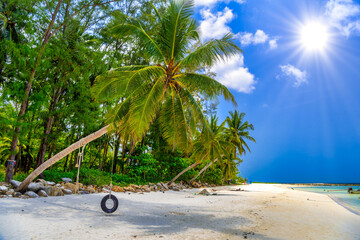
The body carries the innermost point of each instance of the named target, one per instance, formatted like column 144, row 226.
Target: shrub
column 20, row 176
column 2, row 176
column 122, row 180
column 213, row 175
column 55, row 175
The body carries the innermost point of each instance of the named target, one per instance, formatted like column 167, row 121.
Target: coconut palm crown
column 167, row 87
column 238, row 132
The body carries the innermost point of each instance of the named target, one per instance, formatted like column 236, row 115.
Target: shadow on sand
column 150, row 217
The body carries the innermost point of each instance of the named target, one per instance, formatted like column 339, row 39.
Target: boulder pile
column 43, row 188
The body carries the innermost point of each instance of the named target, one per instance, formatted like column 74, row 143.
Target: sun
column 314, row 36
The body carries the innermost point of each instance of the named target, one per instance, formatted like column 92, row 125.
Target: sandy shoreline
column 263, row 211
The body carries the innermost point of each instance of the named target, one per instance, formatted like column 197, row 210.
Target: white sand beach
column 263, row 211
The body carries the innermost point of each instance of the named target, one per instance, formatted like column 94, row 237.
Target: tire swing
column 110, row 198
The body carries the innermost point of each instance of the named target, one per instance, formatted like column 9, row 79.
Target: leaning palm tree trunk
column 184, row 171
column 202, row 170
column 61, row 155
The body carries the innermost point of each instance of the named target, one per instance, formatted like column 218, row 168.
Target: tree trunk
column 116, row 151
column 96, row 155
column 61, row 155
column 48, row 127
column 24, row 104
column 101, row 164
column 183, row 171
column 202, row 170
column 18, row 159
column 122, row 163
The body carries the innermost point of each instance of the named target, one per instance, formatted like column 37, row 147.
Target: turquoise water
column 339, row 194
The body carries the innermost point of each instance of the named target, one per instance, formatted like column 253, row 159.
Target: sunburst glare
column 314, row 36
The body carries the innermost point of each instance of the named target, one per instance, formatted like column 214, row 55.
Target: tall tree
column 51, row 22
column 166, row 86
column 238, row 132
column 209, row 145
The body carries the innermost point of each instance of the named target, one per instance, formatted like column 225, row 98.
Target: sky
column 298, row 81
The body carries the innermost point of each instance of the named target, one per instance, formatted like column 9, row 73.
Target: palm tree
column 238, row 132
column 166, row 87
column 211, row 144
column 229, row 166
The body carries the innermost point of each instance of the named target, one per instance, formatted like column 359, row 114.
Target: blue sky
column 298, row 82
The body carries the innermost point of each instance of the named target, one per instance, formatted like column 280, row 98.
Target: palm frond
column 212, row 51
column 135, row 29
column 173, row 121
column 122, row 81
column 144, row 106
column 206, row 86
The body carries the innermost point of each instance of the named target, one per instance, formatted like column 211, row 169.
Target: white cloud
column 212, row 2
column 344, row 15
column 214, row 25
column 233, row 74
column 293, row 73
column 260, row 37
column 273, row 43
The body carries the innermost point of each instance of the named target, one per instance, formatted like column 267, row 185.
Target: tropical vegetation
column 121, row 85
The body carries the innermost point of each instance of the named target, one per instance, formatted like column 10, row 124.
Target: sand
column 263, row 211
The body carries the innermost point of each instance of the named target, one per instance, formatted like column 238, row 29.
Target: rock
column 54, row 191
column 34, row 187
column 176, row 189
column 196, row 185
column 10, row 192
column 83, row 192
column 134, row 186
column 90, row 189
column 66, row 180
column 15, row 183
column 117, row 189
column 153, row 188
column 42, row 182
column 130, row 189
column 3, row 189
column 71, row 187
column 51, row 183
column 17, row 194
column 205, row 192
column 42, row 193
column 31, row 194
column 164, row 186
column 146, row 188
column 67, row 191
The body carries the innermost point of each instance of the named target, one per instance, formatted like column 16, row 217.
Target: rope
column 80, row 159
column 112, row 165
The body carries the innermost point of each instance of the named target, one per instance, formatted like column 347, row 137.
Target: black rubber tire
column 109, row 197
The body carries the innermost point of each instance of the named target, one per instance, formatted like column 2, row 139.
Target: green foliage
column 56, row 175
column 2, row 173
column 93, row 177
column 145, row 167
column 86, row 176
column 123, row 179
column 151, row 93
column 213, row 175
column 164, row 90
column 20, row 176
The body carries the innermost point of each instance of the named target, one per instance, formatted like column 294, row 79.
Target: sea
column 339, row 194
